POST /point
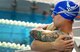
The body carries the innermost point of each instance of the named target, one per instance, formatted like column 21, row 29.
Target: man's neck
column 67, row 28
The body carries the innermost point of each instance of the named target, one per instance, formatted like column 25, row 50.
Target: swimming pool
column 24, row 17
column 13, row 29
column 14, row 35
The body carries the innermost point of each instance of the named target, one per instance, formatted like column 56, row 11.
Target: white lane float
column 15, row 46
column 19, row 23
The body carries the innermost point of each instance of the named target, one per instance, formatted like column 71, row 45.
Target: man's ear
column 78, row 17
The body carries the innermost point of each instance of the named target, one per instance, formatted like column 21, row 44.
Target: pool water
column 27, row 17
column 13, row 33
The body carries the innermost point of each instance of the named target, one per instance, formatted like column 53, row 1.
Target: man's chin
column 57, row 26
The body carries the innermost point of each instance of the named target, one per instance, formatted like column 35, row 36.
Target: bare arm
column 46, row 35
column 58, row 45
column 41, row 46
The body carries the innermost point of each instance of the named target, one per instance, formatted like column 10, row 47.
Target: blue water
column 15, row 34
column 27, row 17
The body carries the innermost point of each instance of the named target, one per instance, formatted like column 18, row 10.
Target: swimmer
column 45, row 36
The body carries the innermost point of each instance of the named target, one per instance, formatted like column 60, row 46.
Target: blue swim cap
column 67, row 9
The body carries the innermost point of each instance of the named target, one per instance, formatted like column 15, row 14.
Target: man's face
column 58, row 21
